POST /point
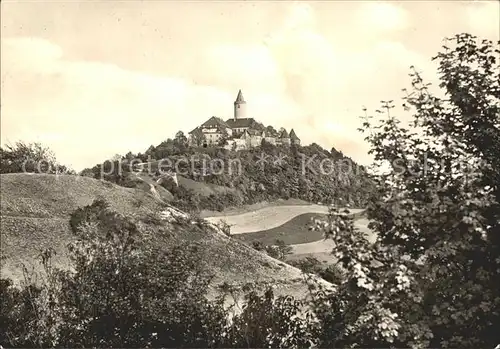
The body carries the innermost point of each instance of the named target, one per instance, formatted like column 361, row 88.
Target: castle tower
column 240, row 107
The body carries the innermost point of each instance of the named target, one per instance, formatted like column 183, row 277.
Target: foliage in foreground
column 126, row 291
column 431, row 279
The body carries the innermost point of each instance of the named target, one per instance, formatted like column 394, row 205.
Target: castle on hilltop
column 240, row 132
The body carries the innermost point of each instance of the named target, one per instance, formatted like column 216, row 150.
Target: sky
column 95, row 79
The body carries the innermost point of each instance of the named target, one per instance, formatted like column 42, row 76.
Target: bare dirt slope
column 35, row 211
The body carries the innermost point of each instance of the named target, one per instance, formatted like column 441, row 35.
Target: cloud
column 296, row 77
column 88, row 111
column 484, row 18
column 331, row 84
column 249, row 66
column 380, row 17
column 98, row 109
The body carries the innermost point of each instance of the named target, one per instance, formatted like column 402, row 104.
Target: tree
column 280, row 250
column 271, row 131
column 181, row 141
column 150, row 151
column 266, row 146
column 31, row 158
column 116, row 157
column 166, row 148
column 225, row 227
column 224, row 137
column 430, row 279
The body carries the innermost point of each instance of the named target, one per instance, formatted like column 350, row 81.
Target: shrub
column 124, row 291
column 224, row 227
column 30, row 158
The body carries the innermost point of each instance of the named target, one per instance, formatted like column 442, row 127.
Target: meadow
column 289, row 223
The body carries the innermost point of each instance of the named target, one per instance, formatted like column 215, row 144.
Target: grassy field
column 321, row 249
column 35, row 211
column 269, row 217
column 233, row 211
column 294, row 232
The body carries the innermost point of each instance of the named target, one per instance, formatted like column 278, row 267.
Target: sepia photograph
column 250, row 174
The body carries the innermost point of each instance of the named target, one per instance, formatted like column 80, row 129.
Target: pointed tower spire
column 293, row 137
column 239, row 98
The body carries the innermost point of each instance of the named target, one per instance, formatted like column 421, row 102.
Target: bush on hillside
column 279, row 250
column 116, row 171
column 30, row 158
column 125, row 290
column 258, row 245
column 330, row 273
column 225, row 227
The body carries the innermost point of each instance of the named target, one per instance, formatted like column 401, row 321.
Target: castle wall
column 241, row 143
column 283, row 141
column 271, row 140
column 213, row 138
column 255, row 141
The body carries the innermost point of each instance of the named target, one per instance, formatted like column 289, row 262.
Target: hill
column 35, row 212
column 202, row 188
column 217, row 179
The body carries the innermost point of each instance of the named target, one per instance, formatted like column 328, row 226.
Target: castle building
column 210, row 132
column 239, row 132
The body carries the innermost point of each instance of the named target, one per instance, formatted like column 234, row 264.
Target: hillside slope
column 35, row 211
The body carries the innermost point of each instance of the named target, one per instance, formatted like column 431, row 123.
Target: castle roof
column 244, row 135
column 214, row 122
column 239, row 98
column 284, row 134
column 196, row 130
column 293, row 135
column 240, row 123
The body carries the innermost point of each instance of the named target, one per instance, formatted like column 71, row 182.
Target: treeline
column 309, row 173
column 263, row 173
